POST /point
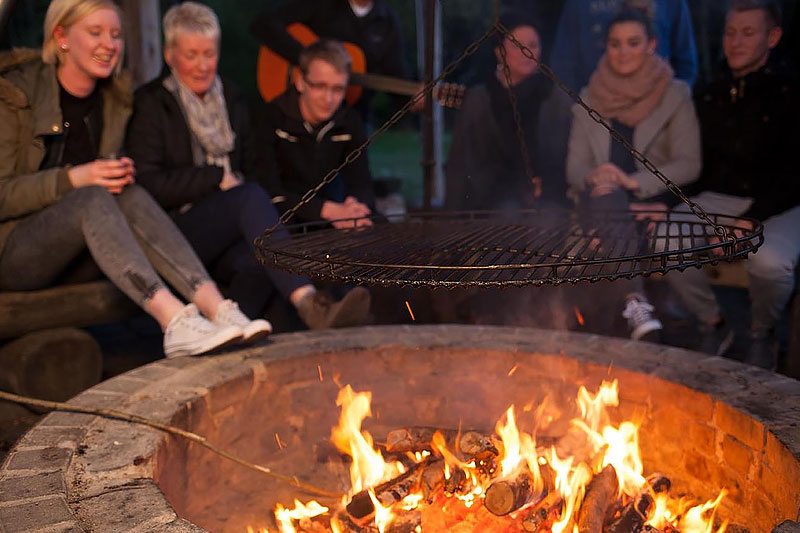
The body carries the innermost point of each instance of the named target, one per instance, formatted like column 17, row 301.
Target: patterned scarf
column 629, row 99
column 208, row 121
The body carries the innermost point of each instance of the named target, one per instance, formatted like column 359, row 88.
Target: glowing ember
column 474, row 483
column 579, row 316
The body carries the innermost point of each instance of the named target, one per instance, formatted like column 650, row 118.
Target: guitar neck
column 387, row 84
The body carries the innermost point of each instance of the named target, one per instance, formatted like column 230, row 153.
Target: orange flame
column 579, row 316
column 285, row 516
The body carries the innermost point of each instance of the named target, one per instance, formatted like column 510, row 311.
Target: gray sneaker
column 229, row 314
column 189, row 333
column 319, row 311
column 641, row 321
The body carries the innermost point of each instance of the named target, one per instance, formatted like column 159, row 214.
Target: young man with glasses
column 306, row 132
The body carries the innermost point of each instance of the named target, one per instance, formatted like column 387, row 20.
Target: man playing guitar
column 370, row 24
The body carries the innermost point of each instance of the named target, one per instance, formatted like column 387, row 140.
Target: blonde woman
column 64, row 190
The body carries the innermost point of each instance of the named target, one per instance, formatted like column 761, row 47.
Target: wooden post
column 429, row 60
column 143, row 31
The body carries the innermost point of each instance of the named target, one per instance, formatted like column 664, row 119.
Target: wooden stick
column 600, row 493
column 508, row 495
column 188, row 435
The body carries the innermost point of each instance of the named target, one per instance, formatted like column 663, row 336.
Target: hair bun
column 647, row 7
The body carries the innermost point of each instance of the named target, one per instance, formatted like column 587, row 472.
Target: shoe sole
column 224, row 337
column 646, row 328
column 256, row 337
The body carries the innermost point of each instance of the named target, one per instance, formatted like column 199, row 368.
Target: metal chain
column 698, row 211
column 523, row 145
column 355, row 154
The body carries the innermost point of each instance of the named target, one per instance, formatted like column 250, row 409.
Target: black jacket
column 750, row 132
column 159, row 142
column 485, row 168
column 296, row 157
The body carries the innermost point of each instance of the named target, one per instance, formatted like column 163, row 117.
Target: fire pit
column 707, row 423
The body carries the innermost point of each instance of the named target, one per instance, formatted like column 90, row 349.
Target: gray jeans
column 128, row 235
column 770, row 269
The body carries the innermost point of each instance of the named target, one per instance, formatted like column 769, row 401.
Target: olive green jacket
column 29, row 113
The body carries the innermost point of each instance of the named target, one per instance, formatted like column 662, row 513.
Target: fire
column 514, row 458
column 368, row 468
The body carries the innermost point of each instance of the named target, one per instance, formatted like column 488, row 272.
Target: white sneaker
column 641, row 321
column 229, row 314
column 189, row 333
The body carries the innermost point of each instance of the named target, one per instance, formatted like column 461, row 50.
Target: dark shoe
column 762, row 352
column 642, row 322
column 715, row 340
column 319, row 311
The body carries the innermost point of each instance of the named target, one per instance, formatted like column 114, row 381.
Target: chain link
column 394, row 119
column 698, row 211
column 534, row 182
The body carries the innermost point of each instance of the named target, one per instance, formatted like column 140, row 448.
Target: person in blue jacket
column 580, row 37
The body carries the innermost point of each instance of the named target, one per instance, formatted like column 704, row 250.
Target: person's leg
column 173, row 256
column 772, row 269
column 43, row 243
column 620, row 237
column 223, row 219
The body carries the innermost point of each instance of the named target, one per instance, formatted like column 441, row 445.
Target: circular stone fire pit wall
column 707, row 422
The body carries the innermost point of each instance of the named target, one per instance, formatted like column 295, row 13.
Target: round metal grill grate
column 509, row 248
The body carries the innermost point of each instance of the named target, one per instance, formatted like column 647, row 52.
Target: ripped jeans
column 128, row 235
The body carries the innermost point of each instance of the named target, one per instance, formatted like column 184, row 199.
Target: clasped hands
column 606, row 178
column 351, row 208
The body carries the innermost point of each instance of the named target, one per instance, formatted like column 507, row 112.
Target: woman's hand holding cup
column 109, row 172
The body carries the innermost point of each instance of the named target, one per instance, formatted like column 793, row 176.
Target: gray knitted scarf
column 208, row 121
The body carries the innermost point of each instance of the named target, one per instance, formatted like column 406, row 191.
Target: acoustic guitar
column 275, row 74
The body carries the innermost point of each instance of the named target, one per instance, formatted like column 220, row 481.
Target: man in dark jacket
column 370, row 24
column 749, row 118
column 306, row 132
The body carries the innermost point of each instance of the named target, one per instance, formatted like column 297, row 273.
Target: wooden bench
column 47, row 355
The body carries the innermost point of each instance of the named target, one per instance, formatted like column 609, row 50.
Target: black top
column 296, row 156
column 620, row 155
column 82, row 124
column 750, row 133
column 160, row 144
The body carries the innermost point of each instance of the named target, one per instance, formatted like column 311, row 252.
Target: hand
column 351, row 208
column 229, row 181
column 113, row 174
column 655, row 211
column 608, row 177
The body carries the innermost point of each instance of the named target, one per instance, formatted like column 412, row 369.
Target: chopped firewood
column 651, row 529
column 432, row 479
column 659, row 483
column 508, row 495
column 633, row 515
column 417, row 439
column 457, row 482
column 361, row 509
column 600, row 494
column 542, row 512
column 406, row 522
column 347, row 525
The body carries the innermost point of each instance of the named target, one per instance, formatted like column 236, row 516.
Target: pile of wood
column 509, row 504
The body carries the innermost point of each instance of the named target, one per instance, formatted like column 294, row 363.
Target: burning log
column 508, row 495
column 633, row 515
column 659, row 483
column 361, row 509
column 600, row 494
column 456, row 483
column 406, row 522
column 432, row 479
column 417, row 439
column 542, row 512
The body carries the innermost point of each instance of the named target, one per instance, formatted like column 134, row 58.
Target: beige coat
column 669, row 137
column 29, row 112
